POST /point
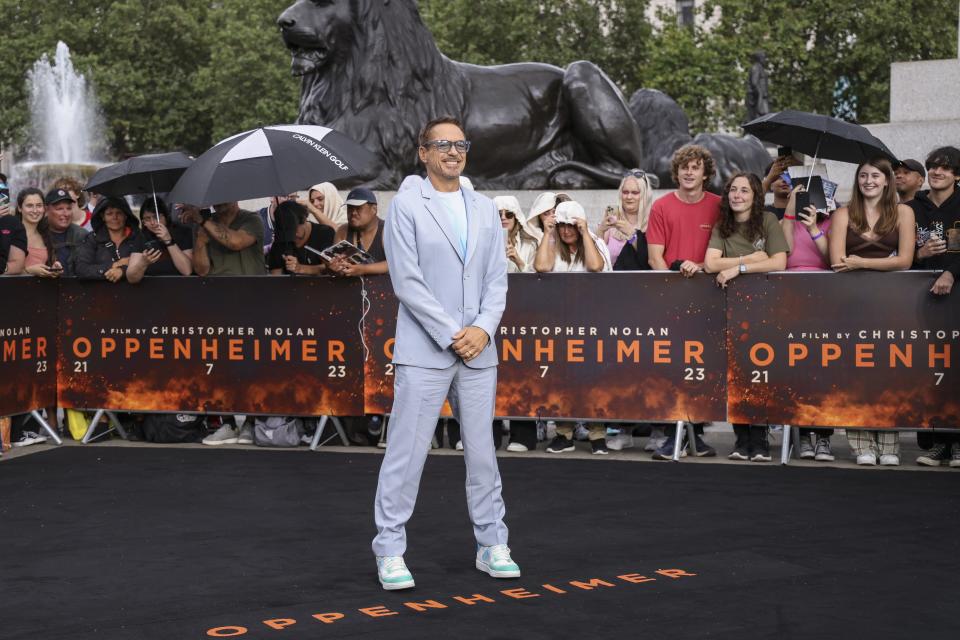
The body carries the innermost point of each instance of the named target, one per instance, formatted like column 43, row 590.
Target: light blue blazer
column 440, row 292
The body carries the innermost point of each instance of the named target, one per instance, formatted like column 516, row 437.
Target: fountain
column 66, row 127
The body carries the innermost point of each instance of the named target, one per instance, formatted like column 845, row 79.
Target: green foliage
column 826, row 56
column 248, row 82
column 184, row 73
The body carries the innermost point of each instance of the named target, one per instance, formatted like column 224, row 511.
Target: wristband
column 818, row 236
column 786, row 217
column 168, row 244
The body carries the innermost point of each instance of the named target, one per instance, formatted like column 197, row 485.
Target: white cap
column 544, row 202
column 567, row 211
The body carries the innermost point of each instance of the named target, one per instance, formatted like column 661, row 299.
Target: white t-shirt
column 456, row 210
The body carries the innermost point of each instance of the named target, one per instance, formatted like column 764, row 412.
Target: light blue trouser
column 418, row 397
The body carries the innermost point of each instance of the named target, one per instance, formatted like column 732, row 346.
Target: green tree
column 248, row 81
column 825, row 56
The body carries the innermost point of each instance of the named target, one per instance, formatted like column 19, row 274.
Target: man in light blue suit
column 448, row 266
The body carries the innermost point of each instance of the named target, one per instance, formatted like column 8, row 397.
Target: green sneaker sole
column 493, row 573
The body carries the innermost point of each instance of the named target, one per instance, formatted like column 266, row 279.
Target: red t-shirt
column 683, row 229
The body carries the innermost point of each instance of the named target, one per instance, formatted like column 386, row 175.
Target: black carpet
column 103, row 542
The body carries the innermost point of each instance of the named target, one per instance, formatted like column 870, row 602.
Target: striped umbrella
column 269, row 161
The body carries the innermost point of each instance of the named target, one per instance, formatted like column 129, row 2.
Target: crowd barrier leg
column 786, row 446
column 115, row 424
column 677, row 440
column 46, row 426
column 382, row 443
column 320, row 427
column 692, row 438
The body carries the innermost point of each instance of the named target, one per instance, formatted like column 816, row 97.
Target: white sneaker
column 496, row 562
column 459, row 445
column 889, row 460
column 620, row 442
column 393, row 573
column 516, row 447
column 224, row 435
column 867, row 459
column 28, row 438
column 246, row 433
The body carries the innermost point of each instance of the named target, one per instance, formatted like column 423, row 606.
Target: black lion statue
column 372, row 70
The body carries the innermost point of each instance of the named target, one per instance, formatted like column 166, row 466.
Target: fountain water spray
column 66, row 127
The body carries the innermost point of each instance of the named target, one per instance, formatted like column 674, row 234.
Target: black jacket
column 97, row 253
column 934, row 219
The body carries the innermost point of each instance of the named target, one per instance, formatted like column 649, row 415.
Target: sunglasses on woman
column 509, row 215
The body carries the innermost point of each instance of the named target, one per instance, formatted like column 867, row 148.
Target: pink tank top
column 36, row 255
column 805, row 255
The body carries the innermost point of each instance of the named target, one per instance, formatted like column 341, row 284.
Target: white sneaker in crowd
column 224, row 435
column 656, row 440
column 889, row 460
column 28, row 438
column 620, row 442
column 867, row 460
column 459, row 445
column 517, row 447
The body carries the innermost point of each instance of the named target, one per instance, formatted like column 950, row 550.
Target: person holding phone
column 745, row 240
column 631, row 215
column 41, row 259
column 873, row 232
column 806, row 234
column 166, row 248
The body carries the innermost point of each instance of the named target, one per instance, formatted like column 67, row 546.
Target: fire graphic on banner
column 821, row 349
column 28, row 343
column 572, row 345
column 190, row 344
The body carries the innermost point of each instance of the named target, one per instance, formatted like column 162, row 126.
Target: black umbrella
column 142, row 174
column 270, row 161
column 819, row 136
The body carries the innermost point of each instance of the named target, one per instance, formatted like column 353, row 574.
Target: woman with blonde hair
column 521, row 241
column 621, row 225
column 325, row 205
column 873, row 232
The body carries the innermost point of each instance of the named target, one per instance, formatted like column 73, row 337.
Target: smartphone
column 4, row 199
column 152, row 244
column 785, row 176
column 803, row 200
column 784, row 151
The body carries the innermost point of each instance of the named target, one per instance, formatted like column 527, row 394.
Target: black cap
column 912, row 165
column 359, row 196
column 58, row 195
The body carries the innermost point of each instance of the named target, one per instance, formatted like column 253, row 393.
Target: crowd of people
column 891, row 223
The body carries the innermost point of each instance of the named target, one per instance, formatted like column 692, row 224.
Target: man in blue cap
column 364, row 230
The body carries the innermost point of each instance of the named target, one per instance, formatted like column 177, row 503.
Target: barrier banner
column 28, row 344
column 252, row 345
column 855, row 349
column 622, row 346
